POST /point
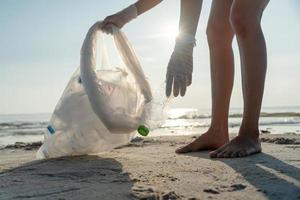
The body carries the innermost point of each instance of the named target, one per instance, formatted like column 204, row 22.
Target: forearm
column 189, row 16
column 145, row 5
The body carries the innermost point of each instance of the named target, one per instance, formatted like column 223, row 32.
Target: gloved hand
column 180, row 67
column 119, row 19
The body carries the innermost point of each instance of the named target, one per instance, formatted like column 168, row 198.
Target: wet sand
column 149, row 169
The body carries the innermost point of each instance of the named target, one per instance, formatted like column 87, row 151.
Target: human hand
column 180, row 68
column 119, row 19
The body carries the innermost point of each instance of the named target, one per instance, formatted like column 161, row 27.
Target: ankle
column 220, row 131
column 250, row 132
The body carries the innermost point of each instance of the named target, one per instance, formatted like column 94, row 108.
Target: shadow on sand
column 271, row 176
column 82, row 177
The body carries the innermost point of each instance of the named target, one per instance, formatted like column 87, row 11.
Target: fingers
column 107, row 28
column 169, row 85
column 177, row 86
column 107, row 24
column 179, row 73
column 182, row 91
column 177, row 82
column 183, row 87
column 180, row 85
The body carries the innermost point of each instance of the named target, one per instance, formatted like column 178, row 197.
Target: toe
column 227, row 154
column 187, row 148
column 221, row 154
column 253, row 151
column 234, row 154
column 242, row 153
column 184, row 149
column 214, row 154
column 224, row 152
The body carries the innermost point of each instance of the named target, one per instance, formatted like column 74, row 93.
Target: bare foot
column 212, row 139
column 240, row 146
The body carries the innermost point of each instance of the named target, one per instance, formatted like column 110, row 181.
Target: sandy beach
column 148, row 169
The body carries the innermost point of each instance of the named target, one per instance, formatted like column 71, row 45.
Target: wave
column 237, row 115
column 22, row 125
column 271, row 123
column 187, row 118
column 204, row 124
column 22, row 133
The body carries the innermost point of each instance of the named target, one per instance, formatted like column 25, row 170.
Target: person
column 228, row 18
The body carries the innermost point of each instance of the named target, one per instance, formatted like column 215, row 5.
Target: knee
column 218, row 35
column 243, row 23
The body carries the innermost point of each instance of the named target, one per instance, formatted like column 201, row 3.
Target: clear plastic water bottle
column 154, row 117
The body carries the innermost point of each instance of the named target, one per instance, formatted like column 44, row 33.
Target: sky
column 40, row 41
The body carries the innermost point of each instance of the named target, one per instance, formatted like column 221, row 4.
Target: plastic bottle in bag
column 100, row 109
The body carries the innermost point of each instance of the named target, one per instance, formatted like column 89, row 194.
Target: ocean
column 181, row 121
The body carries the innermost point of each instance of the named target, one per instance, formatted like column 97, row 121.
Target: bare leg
column 219, row 35
column 245, row 20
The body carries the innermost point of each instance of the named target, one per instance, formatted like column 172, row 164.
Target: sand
column 149, row 169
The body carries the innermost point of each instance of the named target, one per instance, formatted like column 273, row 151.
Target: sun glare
column 170, row 31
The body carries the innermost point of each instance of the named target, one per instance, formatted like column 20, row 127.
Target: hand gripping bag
column 102, row 105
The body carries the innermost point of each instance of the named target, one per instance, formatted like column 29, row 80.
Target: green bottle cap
column 143, row 130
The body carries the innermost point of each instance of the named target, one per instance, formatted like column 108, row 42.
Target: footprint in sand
column 148, row 193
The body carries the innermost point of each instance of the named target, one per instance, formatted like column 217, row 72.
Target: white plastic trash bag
column 102, row 105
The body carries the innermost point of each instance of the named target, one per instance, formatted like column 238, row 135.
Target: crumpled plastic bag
column 103, row 104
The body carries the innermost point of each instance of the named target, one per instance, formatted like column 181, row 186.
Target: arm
column 126, row 15
column 180, row 67
column 189, row 16
column 145, row 5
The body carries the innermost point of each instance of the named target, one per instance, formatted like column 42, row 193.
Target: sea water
column 181, row 121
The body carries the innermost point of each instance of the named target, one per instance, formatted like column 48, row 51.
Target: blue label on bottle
column 51, row 129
